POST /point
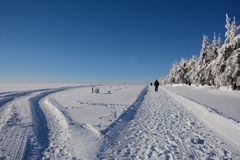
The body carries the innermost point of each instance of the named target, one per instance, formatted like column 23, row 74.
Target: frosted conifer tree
column 205, row 51
column 214, row 42
column 217, row 65
column 219, row 41
column 228, row 31
column 233, row 28
column 205, row 45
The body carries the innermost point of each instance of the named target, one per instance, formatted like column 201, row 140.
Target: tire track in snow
column 58, row 132
column 40, row 140
column 10, row 96
column 16, row 127
column 68, row 139
column 20, row 116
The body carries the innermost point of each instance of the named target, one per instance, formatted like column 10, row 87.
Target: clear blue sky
column 108, row 41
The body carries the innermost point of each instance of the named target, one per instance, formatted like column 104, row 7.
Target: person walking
column 156, row 84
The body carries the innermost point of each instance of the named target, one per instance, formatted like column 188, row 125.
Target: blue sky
column 103, row 41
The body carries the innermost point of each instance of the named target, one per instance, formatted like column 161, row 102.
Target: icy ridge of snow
column 59, row 132
column 92, row 129
column 69, row 140
column 226, row 128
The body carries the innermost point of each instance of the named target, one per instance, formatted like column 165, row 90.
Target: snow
column 225, row 102
column 217, row 65
column 119, row 122
column 165, row 129
column 227, row 129
column 98, row 110
column 10, row 87
column 14, row 129
column 77, row 120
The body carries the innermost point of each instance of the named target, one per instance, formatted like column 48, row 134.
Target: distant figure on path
column 150, row 84
column 156, row 84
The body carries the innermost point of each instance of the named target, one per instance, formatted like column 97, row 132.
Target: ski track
column 23, row 128
column 15, row 128
column 68, row 139
column 7, row 97
column 163, row 129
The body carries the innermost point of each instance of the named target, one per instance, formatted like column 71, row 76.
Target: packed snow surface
column 119, row 122
column 225, row 102
column 100, row 109
column 83, row 116
column 164, row 129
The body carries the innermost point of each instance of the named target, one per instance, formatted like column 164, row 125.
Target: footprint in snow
column 197, row 140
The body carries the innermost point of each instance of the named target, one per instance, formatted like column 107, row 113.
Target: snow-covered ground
column 11, row 87
column 83, row 116
column 59, row 122
column 164, row 129
column 120, row 122
column 225, row 102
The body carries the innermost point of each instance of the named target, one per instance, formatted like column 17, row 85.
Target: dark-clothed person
column 156, row 84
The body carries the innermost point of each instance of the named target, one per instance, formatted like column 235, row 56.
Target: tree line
column 217, row 65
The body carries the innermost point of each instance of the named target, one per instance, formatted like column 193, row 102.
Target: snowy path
column 23, row 126
column 15, row 129
column 163, row 129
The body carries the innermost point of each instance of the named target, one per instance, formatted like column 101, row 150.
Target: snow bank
column 224, row 102
column 228, row 129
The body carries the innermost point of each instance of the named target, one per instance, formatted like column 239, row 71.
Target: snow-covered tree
column 205, row 45
column 218, row 64
column 219, row 41
column 233, row 28
column 214, row 42
column 228, row 30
